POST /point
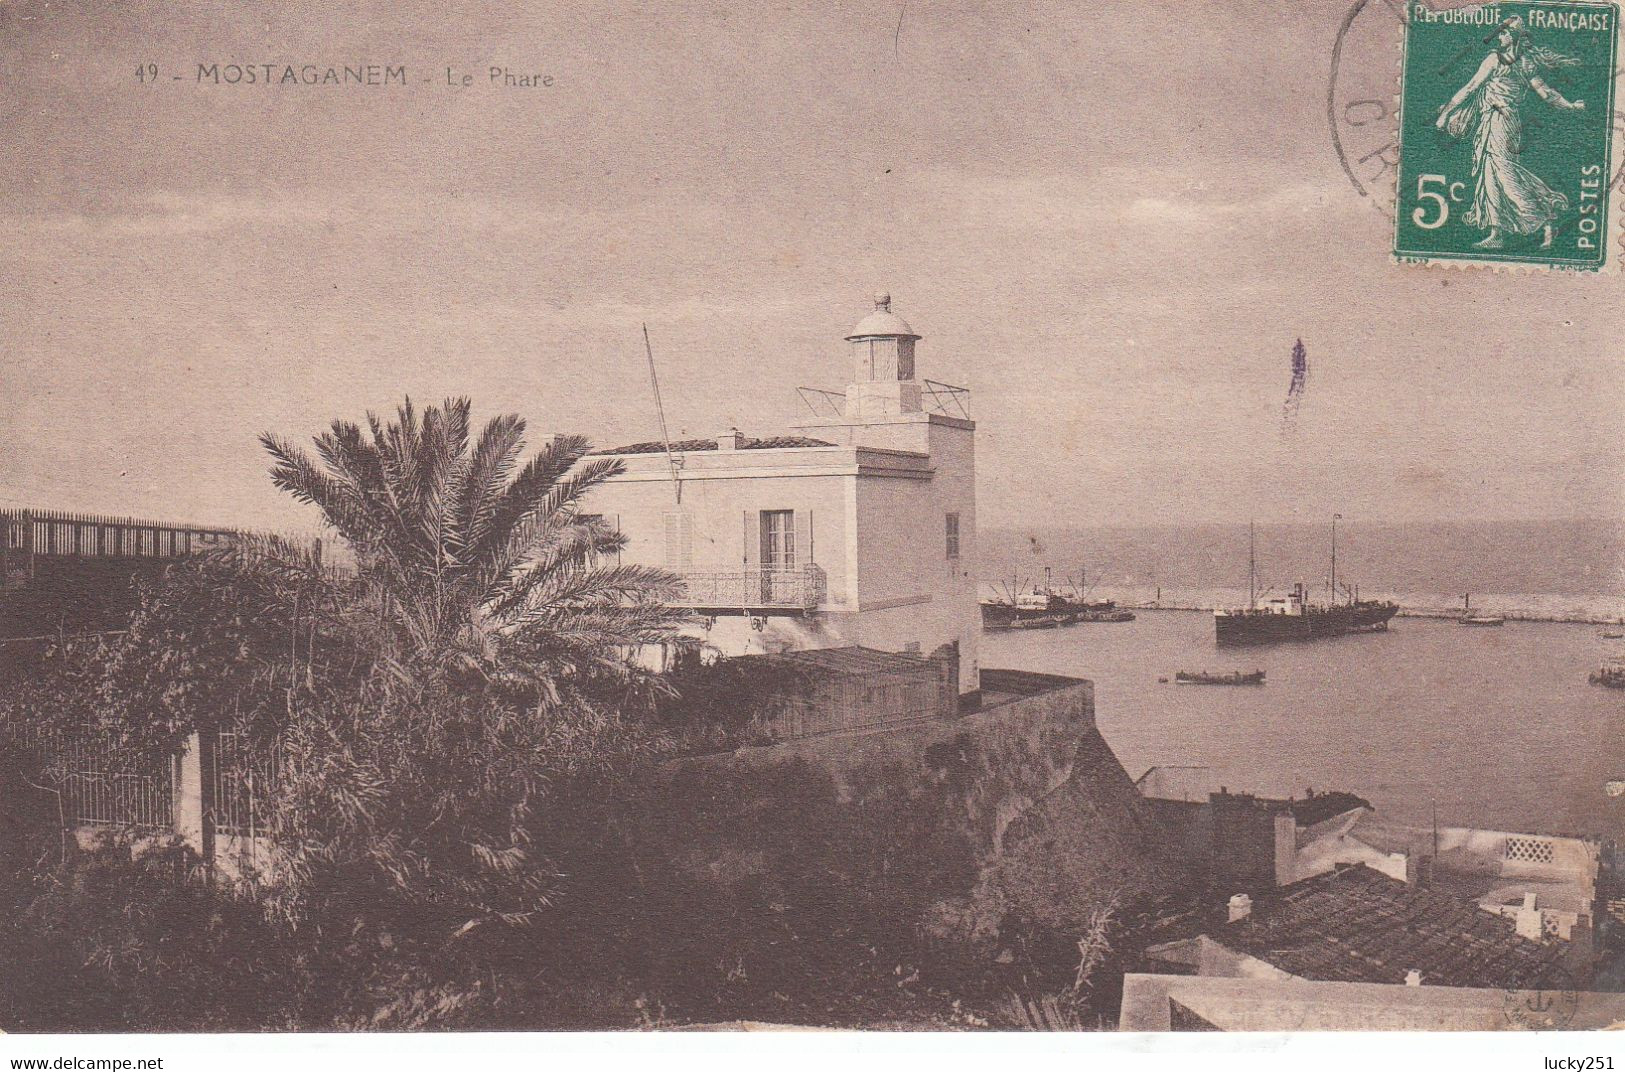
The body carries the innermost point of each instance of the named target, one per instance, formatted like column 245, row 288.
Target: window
column 953, row 535
column 778, row 540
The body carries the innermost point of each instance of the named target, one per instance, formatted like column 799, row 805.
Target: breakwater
column 1527, row 607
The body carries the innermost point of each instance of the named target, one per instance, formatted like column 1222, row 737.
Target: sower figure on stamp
column 1508, row 198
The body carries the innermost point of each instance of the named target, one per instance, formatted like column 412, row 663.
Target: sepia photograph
column 871, row 523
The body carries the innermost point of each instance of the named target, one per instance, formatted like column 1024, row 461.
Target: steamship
column 1293, row 617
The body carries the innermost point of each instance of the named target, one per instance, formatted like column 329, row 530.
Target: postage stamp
column 1506, row 134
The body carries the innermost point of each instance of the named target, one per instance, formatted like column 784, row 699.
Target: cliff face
column 1019, row 806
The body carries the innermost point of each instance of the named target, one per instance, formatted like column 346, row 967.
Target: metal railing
column 54, row 532
column 947, row 399
column 752, row 589
column 96, row 790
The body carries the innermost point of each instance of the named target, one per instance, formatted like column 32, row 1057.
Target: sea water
column 1493, row 727
column 1545, row 569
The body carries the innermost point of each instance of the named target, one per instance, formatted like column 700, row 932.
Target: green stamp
column 1506, row 134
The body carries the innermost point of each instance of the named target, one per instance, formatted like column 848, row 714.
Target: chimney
column 730, row 440
column 1413, row 978
column 1528, row 920
column 1419, row 870
column 1286, row 848
column 1241, row 906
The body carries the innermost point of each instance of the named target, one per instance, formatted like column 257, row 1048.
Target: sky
column 1109, row 222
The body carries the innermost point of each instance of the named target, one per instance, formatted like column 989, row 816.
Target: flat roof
column 688, row 446
column 1191, row 1002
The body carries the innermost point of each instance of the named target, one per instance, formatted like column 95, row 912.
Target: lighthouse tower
column 911, row 533
column 883, row 382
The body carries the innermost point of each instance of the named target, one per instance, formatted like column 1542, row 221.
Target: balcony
column 752, row 591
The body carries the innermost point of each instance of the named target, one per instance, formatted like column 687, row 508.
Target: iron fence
column 242, row 778
column 63, row 533
column 94, row 788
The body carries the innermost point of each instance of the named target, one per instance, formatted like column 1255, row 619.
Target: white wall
column 908, row 590
column 875, row 507
column 717, row 495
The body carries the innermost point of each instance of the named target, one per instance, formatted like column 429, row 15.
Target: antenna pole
column 665, row 437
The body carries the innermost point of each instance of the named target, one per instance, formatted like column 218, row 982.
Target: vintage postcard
column 869, row 520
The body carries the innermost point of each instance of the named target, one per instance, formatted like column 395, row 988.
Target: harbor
column 1494, row 727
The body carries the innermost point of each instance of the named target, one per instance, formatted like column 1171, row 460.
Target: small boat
column 1612, row 636
column 1042, row 621
column 1208, row 677
column 1609, row 677
column 1469, row 616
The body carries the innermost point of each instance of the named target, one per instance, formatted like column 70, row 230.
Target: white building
column 859, row 531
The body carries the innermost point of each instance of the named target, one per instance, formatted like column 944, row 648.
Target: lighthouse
column 883, row 382
column 857, row 531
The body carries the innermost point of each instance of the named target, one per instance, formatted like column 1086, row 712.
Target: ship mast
column 1252, row 569
column 1335, row 519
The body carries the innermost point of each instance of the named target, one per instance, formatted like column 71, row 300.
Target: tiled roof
column 1308, row 811
column 1358, row 925
column 1199, row 783
column 683, row 446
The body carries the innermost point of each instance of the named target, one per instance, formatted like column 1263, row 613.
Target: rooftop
column 1319, row 807
column 684, row 446
column 1357, row 925
column 882, row 322
column 1185, row 1002
column 1200, row 785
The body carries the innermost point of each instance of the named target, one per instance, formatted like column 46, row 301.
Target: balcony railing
column 739, row 590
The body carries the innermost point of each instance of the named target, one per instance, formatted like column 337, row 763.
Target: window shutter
column 679, row 540
column 750, row 538
column 803, row 523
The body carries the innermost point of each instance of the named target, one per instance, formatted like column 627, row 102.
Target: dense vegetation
column 451, row 746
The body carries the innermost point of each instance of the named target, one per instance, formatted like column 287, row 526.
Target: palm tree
column 467, row 560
